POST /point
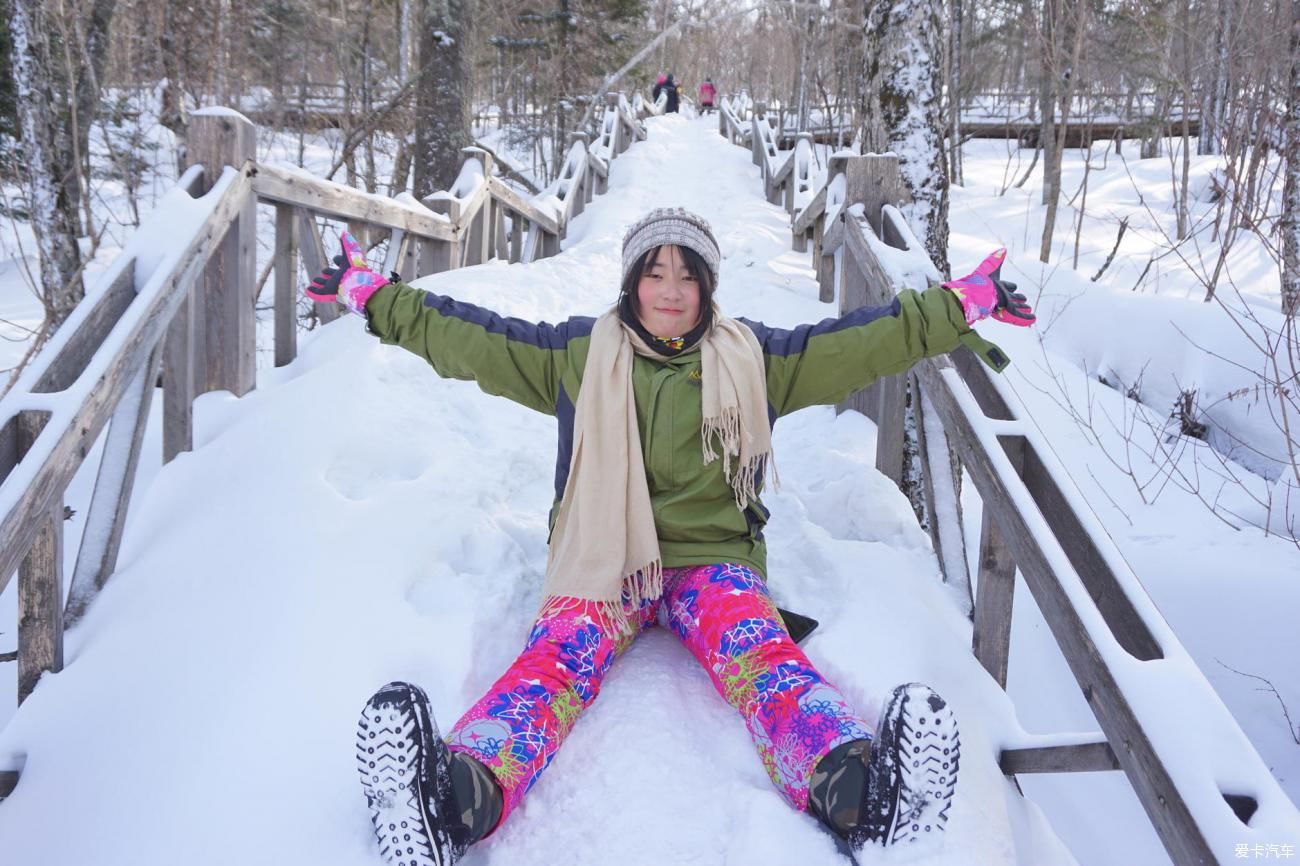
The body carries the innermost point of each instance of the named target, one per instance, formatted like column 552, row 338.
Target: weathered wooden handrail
column 297, row 188
column 731, row 125
column 1121, row 651
column 188, row 319
column 788, row 176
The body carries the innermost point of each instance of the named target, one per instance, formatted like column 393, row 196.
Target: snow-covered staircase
column 356, row 519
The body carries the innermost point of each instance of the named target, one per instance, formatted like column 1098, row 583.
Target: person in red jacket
column 707, row 94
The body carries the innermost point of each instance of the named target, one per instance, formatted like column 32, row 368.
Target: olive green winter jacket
column 541, row 366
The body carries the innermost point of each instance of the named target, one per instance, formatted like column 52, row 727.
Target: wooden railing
column 186, row 321
column 1205, row 789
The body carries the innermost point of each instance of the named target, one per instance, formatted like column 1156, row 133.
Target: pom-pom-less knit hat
column 671, row 225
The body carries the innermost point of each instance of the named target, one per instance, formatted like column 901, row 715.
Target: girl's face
column 668, row 297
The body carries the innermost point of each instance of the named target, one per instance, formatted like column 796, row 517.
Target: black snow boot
column 896, row 789
column 427, row 804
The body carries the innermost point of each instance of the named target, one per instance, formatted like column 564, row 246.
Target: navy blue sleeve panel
column 825, row 362
column 508, row 357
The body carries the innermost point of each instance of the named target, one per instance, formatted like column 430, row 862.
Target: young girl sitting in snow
column 665, row 407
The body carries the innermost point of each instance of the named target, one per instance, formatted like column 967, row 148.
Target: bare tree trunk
column 53, row 190
column 443, row 98
column 954, row 92
column 1291, row 190
column 219, row 46
column 172, row 114
column 564, row 83
column 1047, row 89
column 1214, row 89
column 803, row 83
column 402, row 162
column 902, row 53
column 1067, row 28
column 1185, row 20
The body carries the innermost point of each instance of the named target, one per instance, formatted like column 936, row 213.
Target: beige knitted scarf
column 604, row 546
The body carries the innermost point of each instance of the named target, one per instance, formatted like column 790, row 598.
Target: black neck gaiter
column 666, row 346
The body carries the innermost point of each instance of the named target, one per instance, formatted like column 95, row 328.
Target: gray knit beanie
column 671, row 225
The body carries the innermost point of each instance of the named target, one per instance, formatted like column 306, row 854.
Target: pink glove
column 350, row 282
column 983, row 293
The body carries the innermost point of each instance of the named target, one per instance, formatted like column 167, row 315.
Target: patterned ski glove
column 350, row 282
column 983, row 293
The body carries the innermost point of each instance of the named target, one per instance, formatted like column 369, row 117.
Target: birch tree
column 955, row 92
column 442, row 125
column 1291, row 188
column 902, row 46
column 53, row 192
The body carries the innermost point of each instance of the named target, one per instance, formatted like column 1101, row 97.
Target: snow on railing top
column 153, row 253
column 403, row 199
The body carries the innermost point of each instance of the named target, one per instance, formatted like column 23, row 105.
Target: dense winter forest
column 411, row 76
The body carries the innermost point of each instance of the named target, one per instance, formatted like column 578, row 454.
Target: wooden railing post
column 616, row 134
column 518, row 225
column 286, row 288
column 991, row 634
column 629, row 135
column 438, row 256
column 792, row 185
column 825, row 265
column 478, row 244
column 226, row 353
column 589, row 176
column 756, row 141
column 40, row 585
column 40, row 604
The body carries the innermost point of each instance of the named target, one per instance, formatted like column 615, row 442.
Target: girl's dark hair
column 695, row 266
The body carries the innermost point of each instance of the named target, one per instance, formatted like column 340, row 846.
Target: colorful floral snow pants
column 726, row 618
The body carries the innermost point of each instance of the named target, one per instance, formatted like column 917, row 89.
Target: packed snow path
column 357, row 519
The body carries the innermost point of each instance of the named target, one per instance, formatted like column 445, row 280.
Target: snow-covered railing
column 1205, row 789
column 788, row 176
column 733, row 125
column 618, row 128
column 643, row 108
column 182, row 314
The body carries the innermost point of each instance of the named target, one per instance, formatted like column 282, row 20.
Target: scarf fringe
column 643, row 585
column 746, row 478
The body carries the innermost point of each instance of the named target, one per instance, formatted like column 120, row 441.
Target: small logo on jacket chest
column 694, row 377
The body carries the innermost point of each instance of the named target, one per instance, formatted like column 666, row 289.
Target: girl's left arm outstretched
column 825, row 362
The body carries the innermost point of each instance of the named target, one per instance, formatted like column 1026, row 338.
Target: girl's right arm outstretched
column 505, row 356
column 508, row 357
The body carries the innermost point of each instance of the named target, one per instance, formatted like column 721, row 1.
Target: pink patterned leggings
column 726, row 618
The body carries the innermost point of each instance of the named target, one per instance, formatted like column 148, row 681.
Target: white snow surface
column 357, row 519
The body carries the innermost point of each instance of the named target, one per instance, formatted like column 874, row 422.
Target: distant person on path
column 659, row 87
column 707, row 94
column 664, row 406
column 674, row 91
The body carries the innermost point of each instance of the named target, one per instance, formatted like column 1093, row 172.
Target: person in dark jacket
column 659, row 87
column 669, row 393
column 674, row 91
